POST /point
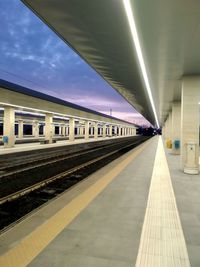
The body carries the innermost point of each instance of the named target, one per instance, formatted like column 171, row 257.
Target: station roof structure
column 100, row 32
column 50, row 99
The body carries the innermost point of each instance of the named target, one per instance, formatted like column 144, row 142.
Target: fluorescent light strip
column 29, row 113
column 129, row 13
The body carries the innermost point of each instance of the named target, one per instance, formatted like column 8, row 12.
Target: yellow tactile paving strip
column 24, row 252
column 162, row 241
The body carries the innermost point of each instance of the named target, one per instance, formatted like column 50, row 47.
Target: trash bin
column 169, row 144
column 5, row 139
column 177, row 144
column 191, row 165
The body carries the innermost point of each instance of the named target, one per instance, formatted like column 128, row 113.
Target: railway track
column 25, row 176
column 19, row 161
column 18, row 203
column 48, row 159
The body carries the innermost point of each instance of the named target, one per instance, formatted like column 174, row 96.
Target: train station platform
column 37, row 145
column 138, row 210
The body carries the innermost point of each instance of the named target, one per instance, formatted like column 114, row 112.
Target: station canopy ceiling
column 98, row 30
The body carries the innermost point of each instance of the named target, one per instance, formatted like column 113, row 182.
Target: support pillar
column 163, row 131
column 49, row 128
column 60, row 130
column 20, row 129
column 81, row 130
column 36, row 129
column 166, row 129
column 100, row 130
column 65, row 130
column 110, row 130
column 190, row 100
column 176, row 127
column 96, row 130
column 87, row 126
column 115, row 130
column 92, row 130
column 104, row 130
column 170, row 126
column 120, row 131
column 9, row 126
column 71, row 129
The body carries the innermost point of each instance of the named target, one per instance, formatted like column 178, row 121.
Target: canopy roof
column 98, row 30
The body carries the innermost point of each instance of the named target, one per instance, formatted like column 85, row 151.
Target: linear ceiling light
column 129, row 13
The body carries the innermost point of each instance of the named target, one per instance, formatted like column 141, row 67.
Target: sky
column 33, row 56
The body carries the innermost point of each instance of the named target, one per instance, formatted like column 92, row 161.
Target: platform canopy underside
column 169, row 33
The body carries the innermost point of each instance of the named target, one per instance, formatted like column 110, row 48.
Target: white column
column 92, row 130
column 71, row 129
column 9, row 126
column 81, row 130
column 36, row 129
column 176, row 126
column 166, row 129
column 49, row 128
column 115, row 130
column 163, row 131
column 170, row 126
column 104, row 130
column 96, row 130
column 100, row 130
column 120, row 130
column 65, row 130
column 190, row 123
column 60, row 130
column 20, row 129
column 87, row 125
column 110, row 130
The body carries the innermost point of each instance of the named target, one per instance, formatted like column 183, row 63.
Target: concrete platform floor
column 123, row 215
column 37, row 145
column 187, row 192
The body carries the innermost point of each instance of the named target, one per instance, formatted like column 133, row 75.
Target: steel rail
column 41, row 184
column 61, row 158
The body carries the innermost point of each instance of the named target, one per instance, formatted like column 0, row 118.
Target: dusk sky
column 32, row 55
